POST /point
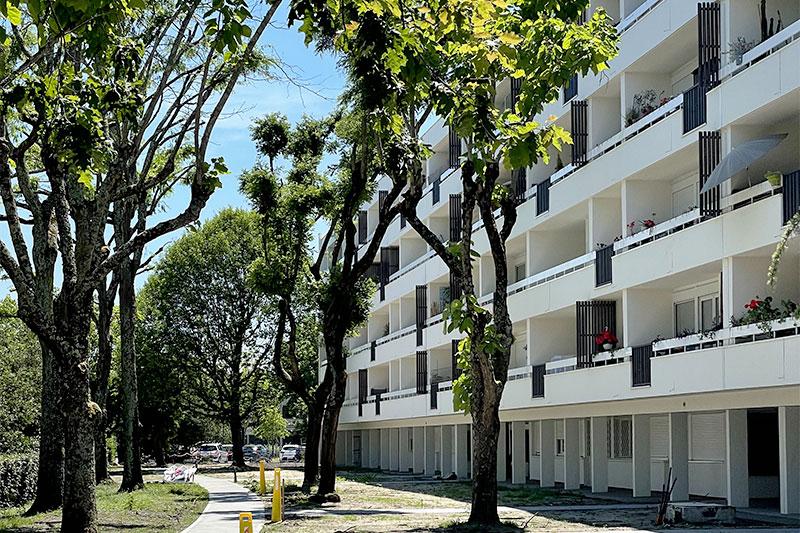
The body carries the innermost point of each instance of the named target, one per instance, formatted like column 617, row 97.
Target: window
column 519, row 272
column 684, row 317
column 619, row 437
column 559, row 446
column 709, row 312
column 683, row 200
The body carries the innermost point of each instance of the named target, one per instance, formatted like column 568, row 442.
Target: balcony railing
column 636, row 15
column 725, row 336
column 659, row 230
column 784, row 37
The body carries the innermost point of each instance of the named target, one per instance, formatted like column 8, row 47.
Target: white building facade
column 614, row 233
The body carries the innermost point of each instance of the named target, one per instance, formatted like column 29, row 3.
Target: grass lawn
column 162, row 508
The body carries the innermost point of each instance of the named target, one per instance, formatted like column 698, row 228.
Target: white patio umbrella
column 740, row 158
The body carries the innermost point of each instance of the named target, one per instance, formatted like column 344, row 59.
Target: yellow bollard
column 262, row 481
column 246, row 523
column 277, row 497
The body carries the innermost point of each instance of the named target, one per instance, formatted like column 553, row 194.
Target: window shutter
column 592, row 316
column 709, row 147
column 708, row 43
column 422, row 310
column 708, row 436
column 580, row 131
column 455, row 217
column 454, row 146
column 422, row 372
column 362, row 227
column 455, row 372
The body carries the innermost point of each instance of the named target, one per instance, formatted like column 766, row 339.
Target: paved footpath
column 225, row 501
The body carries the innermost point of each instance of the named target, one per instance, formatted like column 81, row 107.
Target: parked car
column 227, row 449
column 211, row 451
column 291, row 453
column 253, row 452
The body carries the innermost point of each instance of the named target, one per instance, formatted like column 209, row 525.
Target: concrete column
column 518, row 464
column 341, row 456
column 679, row 455
column 430, row 451
column 789, row 457
column 419, row 450
column 547, row 453
column 599, row 438
column 447, row 450
column 394, row 449
column 461, row 467
column 501, row 453
column 374, row 448
column 348, row 447
column 640, row 462
column 572, row 453
column 385, row 449
column 406, row 459
column 738, row 478
column 365, row 448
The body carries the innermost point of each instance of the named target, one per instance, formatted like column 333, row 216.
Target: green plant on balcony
column 738, row 48
column 762, row 312
column 773, row 177
column 644, row 103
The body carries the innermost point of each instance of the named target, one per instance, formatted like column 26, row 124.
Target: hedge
column 17, row 480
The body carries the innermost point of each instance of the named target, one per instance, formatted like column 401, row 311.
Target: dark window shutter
column 422, row 311
column 434, row 394
column 436, row 191
column 382, row 196
column 454, row 148
column 455, row 371
column 543, row 197
column 372, row 349
column 402, row 221
column 377, row 403
column 390, row 263
column 708, row 42
column 571, row 89
column 516, row 88
column 455, row 287
column 694, row 107
column 580, row 131
column 455, row 217
column 362, row 227
column 362, row 390
column 640, row 365
column 519, row 183
column 537, row 381
column 422, row 372
column 709, row 146
column 591, row 317
column 791, row 195
column 602, row 265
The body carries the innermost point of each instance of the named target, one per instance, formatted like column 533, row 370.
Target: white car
column 211, row 451
column 291, row 453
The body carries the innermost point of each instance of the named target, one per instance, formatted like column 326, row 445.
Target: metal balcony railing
column 640, row 365
column 694, row 108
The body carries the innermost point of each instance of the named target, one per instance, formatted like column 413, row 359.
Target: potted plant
column 773, row 177
column 606, row 340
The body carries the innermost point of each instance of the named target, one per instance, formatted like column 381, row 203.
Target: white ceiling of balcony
column 676, row 51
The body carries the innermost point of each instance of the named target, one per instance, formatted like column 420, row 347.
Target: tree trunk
column 132, row 463
column 237, row 438
column 313, row 433
column 50, row 478
column 100, row 388
column 330, row 424
column 485, row 433
column 79, row 514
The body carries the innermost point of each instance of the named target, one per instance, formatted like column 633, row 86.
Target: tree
column 20, row 376
column 215, row 323
column 449, row 56
column 290, row 205
column 56, row 126
column 272, row 426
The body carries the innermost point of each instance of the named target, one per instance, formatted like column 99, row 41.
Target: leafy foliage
column 20, row 382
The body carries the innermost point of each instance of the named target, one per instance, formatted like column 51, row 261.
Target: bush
column 17, row 480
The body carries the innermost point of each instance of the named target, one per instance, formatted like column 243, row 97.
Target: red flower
column 649, row 223
column 606, row 337
column 753, row 305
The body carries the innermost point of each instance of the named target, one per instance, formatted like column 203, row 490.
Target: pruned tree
column 59, row 173
column 450, row 56
column 218, row 326
column 290, row 203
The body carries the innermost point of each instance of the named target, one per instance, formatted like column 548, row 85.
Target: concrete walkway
column 225, row 501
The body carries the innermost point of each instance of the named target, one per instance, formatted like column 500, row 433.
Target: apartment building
column 615, row 234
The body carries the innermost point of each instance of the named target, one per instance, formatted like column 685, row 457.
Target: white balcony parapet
column 561, row 363
column 412, row 265
column 723, row 336
column 773, row 44
column 396, row 335
column 552, row 273
column 662, row 111
column 636, row 15
column 396, row 395
column 562, row 173
column 520, row 372
column 747, row 196
column 659, row 230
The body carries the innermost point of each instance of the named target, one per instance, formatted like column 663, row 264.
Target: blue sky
column 314, row 85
